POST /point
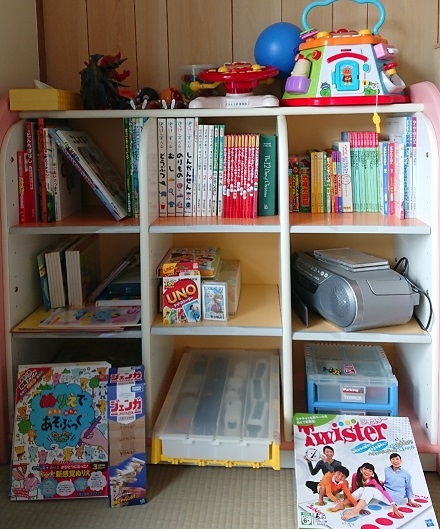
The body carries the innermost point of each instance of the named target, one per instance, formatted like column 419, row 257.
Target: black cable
column 403, row 261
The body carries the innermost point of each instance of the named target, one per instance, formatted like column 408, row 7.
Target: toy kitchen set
column 344, row 67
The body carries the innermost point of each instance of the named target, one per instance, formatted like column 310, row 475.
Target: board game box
column 377, row 458
column 181, row 297
column 60, row 437
column 126, row 415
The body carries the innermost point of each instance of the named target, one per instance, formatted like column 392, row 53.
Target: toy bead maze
column 344, row 67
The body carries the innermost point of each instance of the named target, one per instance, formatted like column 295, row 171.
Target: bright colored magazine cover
column 359, row 471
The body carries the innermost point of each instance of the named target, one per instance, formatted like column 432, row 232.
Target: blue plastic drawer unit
column 349, row 377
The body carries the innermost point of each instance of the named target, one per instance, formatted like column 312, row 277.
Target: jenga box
column 181, row 297
column 60, row 437
column 127, row 440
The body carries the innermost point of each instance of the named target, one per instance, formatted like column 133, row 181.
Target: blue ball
column 277, row 46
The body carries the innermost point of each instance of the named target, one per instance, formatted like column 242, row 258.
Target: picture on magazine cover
column 359, row 471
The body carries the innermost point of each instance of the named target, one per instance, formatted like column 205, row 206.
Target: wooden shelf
column 90, row 220
column 258, row 315
column 355, row 223
column 320, row 329
column 215, row 224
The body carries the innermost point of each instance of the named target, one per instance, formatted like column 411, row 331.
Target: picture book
column 60, row 436
column 208, row 259
column 359, row 471
column 95, row 168
column 92, row 319
column 83, row 268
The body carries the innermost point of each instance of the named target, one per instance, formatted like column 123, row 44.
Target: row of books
column 50, row 169
column 359, row 173
column 205, row 172
column 70, row 274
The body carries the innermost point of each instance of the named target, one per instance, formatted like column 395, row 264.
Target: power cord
column 402, row 267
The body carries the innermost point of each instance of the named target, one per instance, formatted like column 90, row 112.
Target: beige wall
column 18, row 44
column 157, row 37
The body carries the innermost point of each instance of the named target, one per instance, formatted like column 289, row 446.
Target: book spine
column 255, row 171
column 199, row 187
column 210, row 171
column 56, row 175
column 128, row 159
column 383, row 169
column 48, row 167
column 413, row 190
column 195, row 166
column 399, row 191
column 305, row 204
column 293, row 176
column 189, row 165
column 31, row 156
column 41, row 169
column 215, row 170
column 162, row 163
column 221, row 167
column 267, row 175
column 180, row 167
column 391, row 176
column 140, row 123
column 347, row 182
column 22, row 209
column 171, row 166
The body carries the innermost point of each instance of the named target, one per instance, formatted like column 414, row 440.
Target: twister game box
column 60, row 436
column 377, row 458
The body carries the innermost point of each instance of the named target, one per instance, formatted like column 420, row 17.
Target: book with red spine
column 31, row 149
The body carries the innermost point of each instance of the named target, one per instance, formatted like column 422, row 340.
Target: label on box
column 353, row 393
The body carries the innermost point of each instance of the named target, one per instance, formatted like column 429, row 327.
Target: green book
column 267, row 176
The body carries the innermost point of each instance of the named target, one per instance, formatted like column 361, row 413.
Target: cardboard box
column 43, row 99
column 181, row 298
column 126, row 420
column 60, row 443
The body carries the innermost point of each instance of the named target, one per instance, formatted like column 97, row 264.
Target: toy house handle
column 327, row 2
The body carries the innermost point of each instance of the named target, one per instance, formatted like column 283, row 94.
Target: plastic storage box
column 223, row 408
column 352, row 378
